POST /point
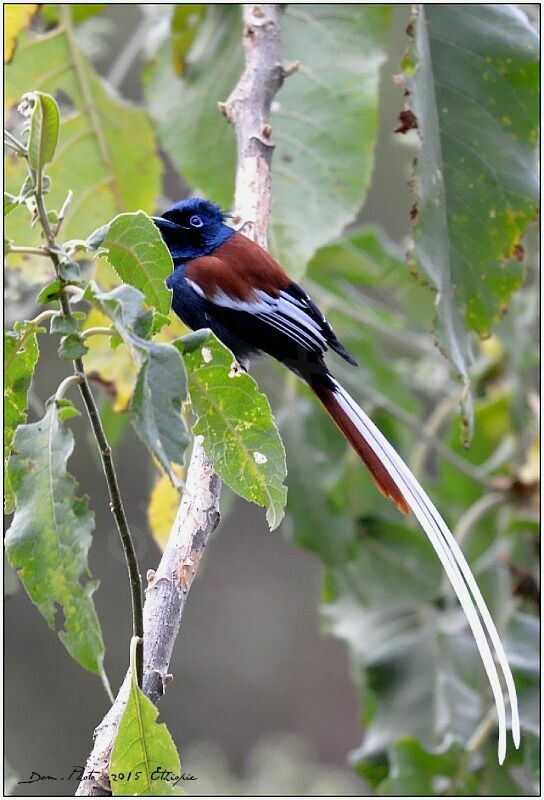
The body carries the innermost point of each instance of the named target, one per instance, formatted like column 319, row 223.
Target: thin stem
column 116, row 503
column 430, row 429
column 71, row 380
column 97, row 332
column 13, row 147
column 34, row 251
column 474, row 514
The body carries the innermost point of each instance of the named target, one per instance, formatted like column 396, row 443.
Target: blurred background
column 263, row 701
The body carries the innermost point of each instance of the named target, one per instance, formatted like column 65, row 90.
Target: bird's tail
column 395, row 480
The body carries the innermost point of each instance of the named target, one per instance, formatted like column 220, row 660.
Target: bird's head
column 193, row 228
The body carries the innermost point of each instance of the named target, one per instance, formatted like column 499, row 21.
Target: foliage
column 470, row 74
column 17, row 16
column 237, row 425
column 336, row 86
column 50, row 534
column 106, row 151
column 21, row 354
column 144, row 748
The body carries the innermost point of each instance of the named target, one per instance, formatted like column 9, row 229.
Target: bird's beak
column 164, row 224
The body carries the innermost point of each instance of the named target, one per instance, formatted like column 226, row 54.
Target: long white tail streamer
column 453, row 561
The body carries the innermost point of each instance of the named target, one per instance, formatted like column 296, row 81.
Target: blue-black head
column 193, row 228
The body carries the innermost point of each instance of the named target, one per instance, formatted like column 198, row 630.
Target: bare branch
column 247, row 109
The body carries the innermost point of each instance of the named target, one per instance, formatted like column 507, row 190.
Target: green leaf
column 106, row 153
column 50, row 536
column 63, row 325
column 71, row 347
column 161, row 383
column 239, row 432
column 10, row 202
column 472, row 74
column 21, row 355
column 185, row 24
column 143, row 750
column 44, row 129
column 79, row 12
column 49, row 293
column 324, row 118
column 69, row 271
column 136, row 251
column 415, row 771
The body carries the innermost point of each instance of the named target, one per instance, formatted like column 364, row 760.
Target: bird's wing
column 242, row 277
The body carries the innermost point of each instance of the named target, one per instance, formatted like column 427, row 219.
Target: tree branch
column 247, row 109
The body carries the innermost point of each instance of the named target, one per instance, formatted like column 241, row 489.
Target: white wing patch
column 285, row 313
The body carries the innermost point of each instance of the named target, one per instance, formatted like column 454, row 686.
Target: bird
column 226, row 282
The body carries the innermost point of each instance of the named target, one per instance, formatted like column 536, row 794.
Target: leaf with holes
column 106, row 152
column 240, row 435
column 324, row 118
column 21, row 355
column 50, row 534
column 472, row 73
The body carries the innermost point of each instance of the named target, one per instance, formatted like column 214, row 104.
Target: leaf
column 71, row 347
column 21, row 355
column 162, row 509
column 50, row 536
column 185, row 24
column 79, row 12
column 239, row 432
column 136, row 251
column 472, row 74
column 115, row 369
column 415, row 771
column 143, row 750
column 44, row 129
column 160, row 384
column 106, row 153
column 16, row 18
column 324, row 118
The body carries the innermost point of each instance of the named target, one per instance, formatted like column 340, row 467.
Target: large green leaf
column 106, row 153
column 324, row 118
column 240, row 435
column 472, row 75
column 144, row 760
column 21, row 355
column 161, row 383
column 136, row 251
column 50, row 534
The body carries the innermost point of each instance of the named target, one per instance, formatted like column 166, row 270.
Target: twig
column 34, row 251
column 116, row 503
column 198, row 515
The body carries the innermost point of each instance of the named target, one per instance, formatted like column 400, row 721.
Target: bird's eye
column 196, row 222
